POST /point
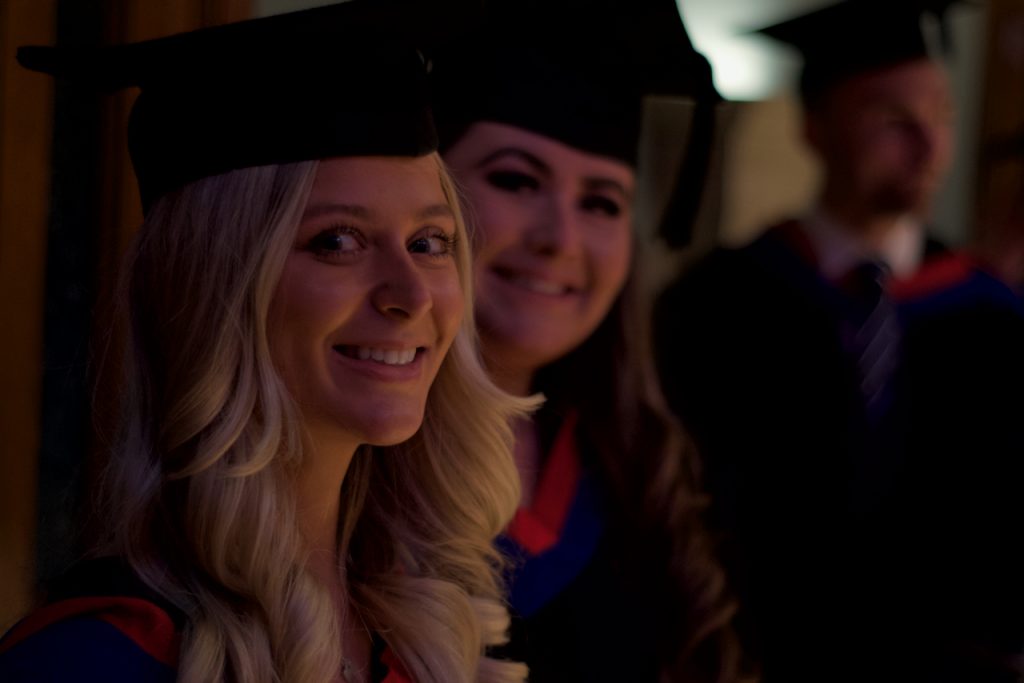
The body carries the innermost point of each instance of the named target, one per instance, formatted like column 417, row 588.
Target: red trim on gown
column 537, row 528
column 148, row 626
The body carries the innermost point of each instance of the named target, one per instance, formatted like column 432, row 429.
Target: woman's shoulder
column 99, row 626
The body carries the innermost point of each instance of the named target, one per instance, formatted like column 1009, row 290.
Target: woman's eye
column 601, row 204
column 335, row 242
column 512, row 181
column 434, row 244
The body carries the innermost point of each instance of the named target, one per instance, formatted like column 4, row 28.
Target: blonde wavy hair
column 199, row 487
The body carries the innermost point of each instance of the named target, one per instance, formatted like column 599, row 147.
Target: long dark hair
column 650, row 470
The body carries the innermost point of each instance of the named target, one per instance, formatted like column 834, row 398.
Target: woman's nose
column 556, row 229
column 401, row 291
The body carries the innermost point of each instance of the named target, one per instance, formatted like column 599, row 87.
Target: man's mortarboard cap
column 578, row 71
column 856, row 36
column 342, row 80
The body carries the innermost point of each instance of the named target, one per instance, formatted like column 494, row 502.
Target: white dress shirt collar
column 838, row 249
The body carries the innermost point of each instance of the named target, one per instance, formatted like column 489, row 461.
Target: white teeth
column 386, row 356
column 541, row 286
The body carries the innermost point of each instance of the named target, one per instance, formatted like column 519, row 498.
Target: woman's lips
column 537, row 283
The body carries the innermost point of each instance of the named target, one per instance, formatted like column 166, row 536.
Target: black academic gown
column 963, row 508
column 102, row 624
column 582, row 607
column 802, row 488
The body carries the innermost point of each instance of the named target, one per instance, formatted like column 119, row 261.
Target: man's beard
column 907, row 198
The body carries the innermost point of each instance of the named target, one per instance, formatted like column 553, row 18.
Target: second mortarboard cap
column 342, row 80
column 574, row 70
column 856, row 36
column 578, row 71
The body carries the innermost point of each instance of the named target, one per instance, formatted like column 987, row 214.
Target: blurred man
column 885, row 139
column 785, row 360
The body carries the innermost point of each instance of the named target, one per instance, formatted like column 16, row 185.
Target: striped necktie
column 872, row 336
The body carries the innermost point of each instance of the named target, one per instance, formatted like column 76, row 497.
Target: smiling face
column 554, row 247
column 369, row 300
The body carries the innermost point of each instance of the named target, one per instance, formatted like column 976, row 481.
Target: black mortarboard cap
column 342, row 80
column 573, row 70
column 576, row 71
column 856, row 36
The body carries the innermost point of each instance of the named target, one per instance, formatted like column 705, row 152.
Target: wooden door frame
column 26, row 138
column 26, row 114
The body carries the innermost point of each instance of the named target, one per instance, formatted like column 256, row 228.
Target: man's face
column 886, row 137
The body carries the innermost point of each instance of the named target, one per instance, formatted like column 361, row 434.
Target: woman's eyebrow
column 593, row 183
column 435, row 211
column 440, row 210
column 322, row 209
column 602, row 183
column 518, row 153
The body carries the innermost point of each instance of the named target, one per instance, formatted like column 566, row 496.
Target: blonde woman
column 312, row 463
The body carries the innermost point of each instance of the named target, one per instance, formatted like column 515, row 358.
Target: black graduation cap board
column 574, row 70
column 342, row 80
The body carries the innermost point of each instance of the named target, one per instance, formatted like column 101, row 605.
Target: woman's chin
column 392, row 432
column 527, row 347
